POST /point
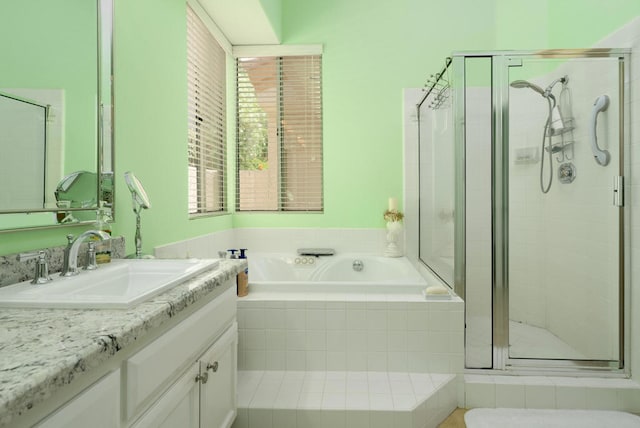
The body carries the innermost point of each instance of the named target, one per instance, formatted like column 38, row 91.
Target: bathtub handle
column 358, row 265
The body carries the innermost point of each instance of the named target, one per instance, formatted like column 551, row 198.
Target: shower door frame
column 500, row 63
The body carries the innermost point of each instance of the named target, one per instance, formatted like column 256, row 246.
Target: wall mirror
column 56, row 108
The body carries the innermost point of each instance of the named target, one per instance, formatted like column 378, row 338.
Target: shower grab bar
column 601, row 156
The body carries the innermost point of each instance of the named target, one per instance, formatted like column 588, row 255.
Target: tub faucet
column 70, row 263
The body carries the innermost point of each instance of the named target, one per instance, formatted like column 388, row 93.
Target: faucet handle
column 41, row 275
column 91, row 257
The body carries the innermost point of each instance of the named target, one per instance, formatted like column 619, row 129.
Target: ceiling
column 245, row 22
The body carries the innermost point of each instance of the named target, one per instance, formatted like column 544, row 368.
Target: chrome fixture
column 566, row 173
column 41, row 275
column 140, row 202
column 70, row 263
column 555, row 124
column 91, row 257
column 601, row 156
column 316, row 252
column 358, row 265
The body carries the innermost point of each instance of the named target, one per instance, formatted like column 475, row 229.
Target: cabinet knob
column 202, row 378
column 213, row 367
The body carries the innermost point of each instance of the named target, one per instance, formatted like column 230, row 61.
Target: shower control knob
column 566, row 173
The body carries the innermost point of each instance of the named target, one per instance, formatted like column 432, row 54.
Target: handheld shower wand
column 553, row 126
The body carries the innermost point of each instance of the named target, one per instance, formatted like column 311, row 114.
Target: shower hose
column 546, row 135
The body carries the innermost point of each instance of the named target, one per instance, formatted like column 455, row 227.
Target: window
column 206, row 66
column 279, row 133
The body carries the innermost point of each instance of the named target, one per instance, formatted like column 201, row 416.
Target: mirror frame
column 105, row 135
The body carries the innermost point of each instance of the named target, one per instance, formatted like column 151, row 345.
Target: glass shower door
column 563, row 164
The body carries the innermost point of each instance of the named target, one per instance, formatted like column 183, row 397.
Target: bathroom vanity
column 170, row 361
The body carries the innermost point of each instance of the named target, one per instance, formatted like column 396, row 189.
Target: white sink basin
column 120, row 284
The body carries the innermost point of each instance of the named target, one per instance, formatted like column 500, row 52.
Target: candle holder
column 394, row 232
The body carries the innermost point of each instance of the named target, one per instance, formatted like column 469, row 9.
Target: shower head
column 524, row 84
column 563, row 80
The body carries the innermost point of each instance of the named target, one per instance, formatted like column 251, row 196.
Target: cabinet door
column 177, row 407
column 218, row 400
column 97, row 406
column 154, row 368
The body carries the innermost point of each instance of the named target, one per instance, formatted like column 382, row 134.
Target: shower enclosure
column 522, row 172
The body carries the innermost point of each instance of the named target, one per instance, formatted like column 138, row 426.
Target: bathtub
column 319, row 314
column 276, row 272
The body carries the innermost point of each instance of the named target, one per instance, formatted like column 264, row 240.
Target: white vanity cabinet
column 187, row 376
column 205, row 395
column 182, row 373
column 97, row 406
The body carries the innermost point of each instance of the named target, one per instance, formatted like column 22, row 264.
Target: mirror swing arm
column 140, row 201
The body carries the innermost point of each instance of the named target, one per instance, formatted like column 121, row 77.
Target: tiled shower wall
column 545, row 291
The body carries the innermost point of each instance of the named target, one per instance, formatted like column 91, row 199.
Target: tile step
column 337, row 399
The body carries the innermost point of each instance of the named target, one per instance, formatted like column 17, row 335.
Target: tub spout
column 316, row 252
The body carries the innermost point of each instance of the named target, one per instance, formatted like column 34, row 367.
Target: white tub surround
column 374, row 333
column 402, row 344
column 278, row 240
column 48, row 354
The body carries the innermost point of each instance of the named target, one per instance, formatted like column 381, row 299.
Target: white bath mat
column 543, row 418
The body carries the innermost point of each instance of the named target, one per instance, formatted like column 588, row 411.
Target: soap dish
column 436, row 296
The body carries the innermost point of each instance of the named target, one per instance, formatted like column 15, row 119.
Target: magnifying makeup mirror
column 140, row 202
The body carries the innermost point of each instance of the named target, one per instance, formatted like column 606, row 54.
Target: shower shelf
column 559, row 147
column 566, row 125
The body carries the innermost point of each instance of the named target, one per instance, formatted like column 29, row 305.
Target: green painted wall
column 151, row 121
column 372, row 51
column 581, row 23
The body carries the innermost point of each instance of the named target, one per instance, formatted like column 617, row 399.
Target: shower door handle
column 601, row 156
column 618, row 191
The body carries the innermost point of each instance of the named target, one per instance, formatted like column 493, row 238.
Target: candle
column 393, row 204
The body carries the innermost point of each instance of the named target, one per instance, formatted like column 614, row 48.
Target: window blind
column 206, row 68
column 279, row 133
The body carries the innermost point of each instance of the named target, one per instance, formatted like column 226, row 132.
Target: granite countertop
column 42, row 350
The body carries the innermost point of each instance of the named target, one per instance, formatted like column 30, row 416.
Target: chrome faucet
column 70, row 263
